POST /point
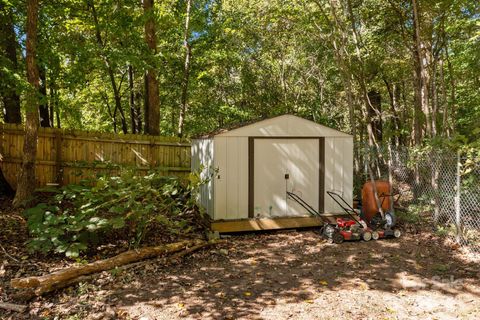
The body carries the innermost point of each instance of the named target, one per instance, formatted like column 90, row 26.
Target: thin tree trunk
column 52, row 100
column 186, row 71
column 138, row 109
column 8, row 46
column 392, row 93
column 113, row 115
column 26, row 178
column 145, row 104
column 133, row 116
column 152, row 126
column 445, row 129
column 453, row 101
column 110, row 71
column 374, row 108
column 434, row 97
column 43, row 107
column 346, row 76
column 372, row 137
column 421, row 61
column 57, row 107
column 417, row 108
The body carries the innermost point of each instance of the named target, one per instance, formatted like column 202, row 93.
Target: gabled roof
column 281, row 126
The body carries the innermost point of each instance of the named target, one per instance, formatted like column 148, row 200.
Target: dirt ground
column 270, row 275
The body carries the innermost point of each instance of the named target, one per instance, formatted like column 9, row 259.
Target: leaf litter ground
column 268, row 275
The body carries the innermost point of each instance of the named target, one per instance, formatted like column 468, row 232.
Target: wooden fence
column 68, row 156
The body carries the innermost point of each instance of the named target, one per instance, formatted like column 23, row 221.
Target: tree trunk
column 453, row 94
column 133, row 115
column 420, row 58
column 53, row 105
column 8, row 47
column 445, row 127
column 110, row 71
column 186, row 71
column 113, row 115
column 152, row 126
column 393, row 93
column 138, row 111
column 374, row 109
column 434, row 96
column 57, row 111
column 118, row 105
column 44, row 113
column 367, row 106
column 26, row 178
column 57, row 279
column 417, row 108
column 145, row 103
column 339, row 50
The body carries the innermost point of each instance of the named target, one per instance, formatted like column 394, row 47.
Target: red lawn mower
column 373, row 223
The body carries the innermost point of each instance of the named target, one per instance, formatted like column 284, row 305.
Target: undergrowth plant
column 128, row 205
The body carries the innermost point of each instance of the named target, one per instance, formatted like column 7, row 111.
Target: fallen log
column 189, row 250
column 13, row 307
column 175, row 257
column 65, row 277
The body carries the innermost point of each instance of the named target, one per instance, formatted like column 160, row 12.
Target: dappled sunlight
column 278, row 270
column 140, row 156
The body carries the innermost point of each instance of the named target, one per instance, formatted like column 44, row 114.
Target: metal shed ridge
column 285, row 125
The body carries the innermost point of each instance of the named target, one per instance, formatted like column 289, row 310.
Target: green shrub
column 127, row 205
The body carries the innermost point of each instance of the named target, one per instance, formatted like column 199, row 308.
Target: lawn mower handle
column 345, row 206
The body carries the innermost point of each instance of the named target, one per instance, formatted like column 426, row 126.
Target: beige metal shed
column 252, row 167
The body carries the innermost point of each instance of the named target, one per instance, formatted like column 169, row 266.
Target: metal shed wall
column 231, row 183
column 226, row 196
column 338, row 171
column 202, row 158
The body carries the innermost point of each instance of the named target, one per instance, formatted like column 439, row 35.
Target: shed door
column 275, row 158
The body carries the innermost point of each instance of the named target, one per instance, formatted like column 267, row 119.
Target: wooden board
column 226, row 226
column 66, row 156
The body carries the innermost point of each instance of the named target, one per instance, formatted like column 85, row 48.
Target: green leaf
column 117, row 223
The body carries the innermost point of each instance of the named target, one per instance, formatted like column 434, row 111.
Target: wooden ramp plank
column 225, row 226
column 265, row 224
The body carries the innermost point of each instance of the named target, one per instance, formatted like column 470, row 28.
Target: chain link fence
column 444, row 184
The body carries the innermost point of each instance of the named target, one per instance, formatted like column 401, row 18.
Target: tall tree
column 152, row 112
column 110, row 69
column 186, row 70
column 421, row 60
column 26, row 177
column 8, row 49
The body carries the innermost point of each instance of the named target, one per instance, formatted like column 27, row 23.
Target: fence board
column 66, row 156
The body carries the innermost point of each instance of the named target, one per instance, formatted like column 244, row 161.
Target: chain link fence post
column 458, row 212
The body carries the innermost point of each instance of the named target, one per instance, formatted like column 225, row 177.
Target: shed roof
column 284, row 125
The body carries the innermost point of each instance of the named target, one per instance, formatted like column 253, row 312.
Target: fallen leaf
column 247, row 294
column 389, row 310
column 324, row 283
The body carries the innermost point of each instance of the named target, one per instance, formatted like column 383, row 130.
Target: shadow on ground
column 257, row 271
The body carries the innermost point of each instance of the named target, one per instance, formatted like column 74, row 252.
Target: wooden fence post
column 58, row 158
column 151, row 147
